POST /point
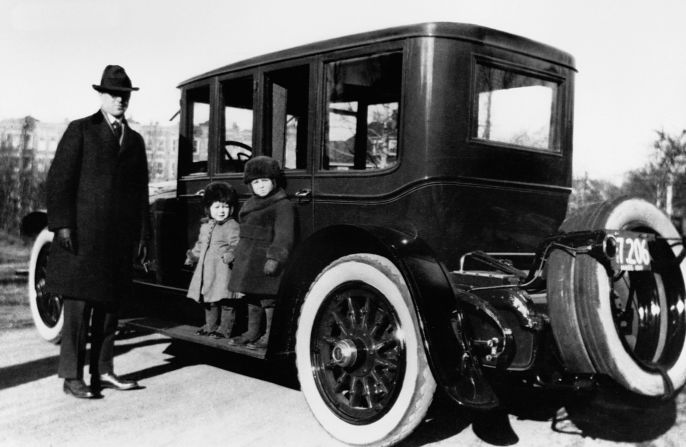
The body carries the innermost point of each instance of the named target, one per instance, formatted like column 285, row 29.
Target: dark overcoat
column 99, row 189
column 215, row 252
column 267, row 232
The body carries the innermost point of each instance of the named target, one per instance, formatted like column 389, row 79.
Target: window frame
column 220, row 129
column 265, row 90
column 187, row 129
column 557, row 115
column 392, row 47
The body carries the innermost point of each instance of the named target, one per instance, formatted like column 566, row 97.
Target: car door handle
column 304, row 195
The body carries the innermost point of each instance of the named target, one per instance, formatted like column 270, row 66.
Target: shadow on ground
column 608, row 413
column 15, row 375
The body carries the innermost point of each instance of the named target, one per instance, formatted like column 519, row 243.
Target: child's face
column 262, row 186
column 220, row 211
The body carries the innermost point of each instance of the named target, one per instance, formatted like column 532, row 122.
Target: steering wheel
column 242, row 152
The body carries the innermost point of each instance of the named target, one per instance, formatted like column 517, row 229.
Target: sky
column 629, row 55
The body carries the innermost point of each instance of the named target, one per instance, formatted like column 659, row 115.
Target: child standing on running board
column 267, row 225
column 214, row 253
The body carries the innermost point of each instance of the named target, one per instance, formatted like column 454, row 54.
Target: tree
column 586, row 191
column 22, row 187
column 670, row 160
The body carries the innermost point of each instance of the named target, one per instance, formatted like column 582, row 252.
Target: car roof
column 463, row 31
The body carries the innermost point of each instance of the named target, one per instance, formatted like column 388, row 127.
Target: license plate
column 633, row 252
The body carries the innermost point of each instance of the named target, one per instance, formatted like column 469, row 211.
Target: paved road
column 211, row 398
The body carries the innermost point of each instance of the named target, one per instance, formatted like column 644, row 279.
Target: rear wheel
column 46, row 308
column 631, row 327
column 361, row 362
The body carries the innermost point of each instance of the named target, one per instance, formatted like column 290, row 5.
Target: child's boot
column 228, row 317
column 254, row 322
column 262, row 342
column 211, row 316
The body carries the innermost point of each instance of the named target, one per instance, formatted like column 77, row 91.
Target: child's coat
column 267, row 229
column 215, row 251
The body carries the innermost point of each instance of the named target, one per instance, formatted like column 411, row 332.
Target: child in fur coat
column 267, row 222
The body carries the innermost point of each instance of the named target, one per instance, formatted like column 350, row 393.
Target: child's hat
column 261, row 167
column 219, row 192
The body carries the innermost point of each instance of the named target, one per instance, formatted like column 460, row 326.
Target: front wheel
column 46, row 308
column 361, row 363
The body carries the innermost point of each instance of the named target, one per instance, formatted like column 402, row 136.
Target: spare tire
column 630, row 327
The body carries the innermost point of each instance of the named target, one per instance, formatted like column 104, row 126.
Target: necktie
column 116, row 127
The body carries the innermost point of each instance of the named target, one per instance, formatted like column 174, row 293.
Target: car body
column 430, row 166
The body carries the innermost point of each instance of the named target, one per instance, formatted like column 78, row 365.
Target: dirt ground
column 198, row 396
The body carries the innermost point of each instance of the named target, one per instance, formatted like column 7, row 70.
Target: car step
column 187, row 333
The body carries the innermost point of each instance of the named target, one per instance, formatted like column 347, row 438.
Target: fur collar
column 256, row 203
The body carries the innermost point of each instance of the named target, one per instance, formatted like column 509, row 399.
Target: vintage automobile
column 430, row 166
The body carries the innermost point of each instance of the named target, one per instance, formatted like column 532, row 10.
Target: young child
column 267, row 225
column 214, row 253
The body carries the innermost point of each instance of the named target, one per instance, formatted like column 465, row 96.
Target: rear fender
column 426, row 277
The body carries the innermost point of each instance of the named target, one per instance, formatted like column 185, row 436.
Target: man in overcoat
column 97, row 201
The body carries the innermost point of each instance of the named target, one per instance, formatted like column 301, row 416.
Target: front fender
column 33, row 223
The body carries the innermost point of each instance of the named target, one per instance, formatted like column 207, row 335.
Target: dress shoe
column 77, row 388
column 111, row 380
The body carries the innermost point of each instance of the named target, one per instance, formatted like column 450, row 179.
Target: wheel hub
column 359, row 359
column 344, row 353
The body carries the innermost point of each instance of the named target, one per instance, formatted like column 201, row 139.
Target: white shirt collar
column 112, row 118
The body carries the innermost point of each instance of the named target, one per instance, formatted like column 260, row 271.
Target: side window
column 198, row 103
column 362, row 113
column 515, row 108
column 238, row 124
column 286, row 112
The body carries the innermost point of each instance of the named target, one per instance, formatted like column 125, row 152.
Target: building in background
column 30, row 144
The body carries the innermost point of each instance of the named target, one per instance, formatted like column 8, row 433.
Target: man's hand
column 64, row 239
column 271, row 267
column 142, row 253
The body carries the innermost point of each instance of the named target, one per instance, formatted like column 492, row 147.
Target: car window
column 363, row 103
column 515, row 108
column 199, row 108
column 237, row 145
column 287, row 103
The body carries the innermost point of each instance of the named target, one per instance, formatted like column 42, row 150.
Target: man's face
column 115, row 103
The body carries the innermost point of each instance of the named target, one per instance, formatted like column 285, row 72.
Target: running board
column 187, row 333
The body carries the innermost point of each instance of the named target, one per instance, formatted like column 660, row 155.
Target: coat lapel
column 126, row 140
column 105, row 131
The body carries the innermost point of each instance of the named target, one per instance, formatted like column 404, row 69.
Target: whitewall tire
column 361, row 362
column 46, row 308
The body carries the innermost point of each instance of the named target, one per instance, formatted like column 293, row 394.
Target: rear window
column 516, row 108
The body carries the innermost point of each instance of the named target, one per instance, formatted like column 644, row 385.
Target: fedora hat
column 114, row 79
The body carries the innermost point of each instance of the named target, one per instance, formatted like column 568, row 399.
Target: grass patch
column 14, row 294
column 15, row 316
column 13, row 249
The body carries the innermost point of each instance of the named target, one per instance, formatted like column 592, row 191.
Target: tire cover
column 580, row 307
